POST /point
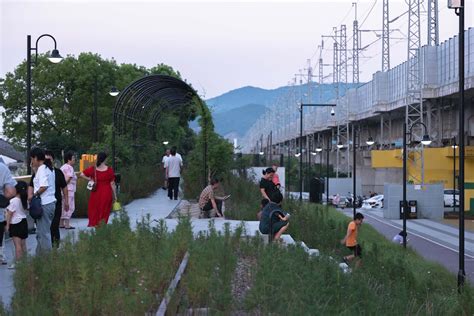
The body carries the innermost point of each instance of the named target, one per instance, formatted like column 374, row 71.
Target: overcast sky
column 216, row 45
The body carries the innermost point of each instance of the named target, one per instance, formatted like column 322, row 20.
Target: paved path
column 157, row 205
column 433, row 240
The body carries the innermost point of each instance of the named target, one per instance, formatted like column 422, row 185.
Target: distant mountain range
column 234, row 112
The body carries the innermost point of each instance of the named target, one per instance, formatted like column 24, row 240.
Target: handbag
column 92, row 184
column 116, row 206
column 36, row 209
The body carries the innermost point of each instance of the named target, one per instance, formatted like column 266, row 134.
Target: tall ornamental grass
column 244, row 202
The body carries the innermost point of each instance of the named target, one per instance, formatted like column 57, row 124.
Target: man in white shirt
column 43, row 187
column 173, row 170
column 163, row 161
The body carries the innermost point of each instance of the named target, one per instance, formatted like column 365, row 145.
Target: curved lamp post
column 114, row 91
column 55, row 58
column 458, row 6
column 301, row 106
column 425, row 141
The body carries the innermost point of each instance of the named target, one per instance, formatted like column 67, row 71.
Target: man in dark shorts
column 279, row 217
column 350, row 240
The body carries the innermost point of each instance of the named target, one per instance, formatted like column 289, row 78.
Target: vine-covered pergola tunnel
column 143, row 102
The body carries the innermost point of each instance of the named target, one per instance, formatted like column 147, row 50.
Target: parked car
column 448, row 197
column 373, row 202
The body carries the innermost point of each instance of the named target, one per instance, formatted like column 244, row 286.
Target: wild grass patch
column 111, row 270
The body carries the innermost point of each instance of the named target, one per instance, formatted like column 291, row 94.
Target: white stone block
column 344, row 267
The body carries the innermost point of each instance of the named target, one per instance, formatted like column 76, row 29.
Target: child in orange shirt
column 350, row 240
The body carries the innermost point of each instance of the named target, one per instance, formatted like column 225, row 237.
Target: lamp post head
column 454, row 4
column 370, row 141
column 114, row 92
column 454, row 146
column 340, row 145
column 166, row 142
column 333, row 112
column 261, row 153
column 426, row 140
column 54, row 57
column 297, row 154
column 313, row 153
column 319, row 149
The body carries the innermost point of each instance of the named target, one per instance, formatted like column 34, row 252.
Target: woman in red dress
column 100, row 200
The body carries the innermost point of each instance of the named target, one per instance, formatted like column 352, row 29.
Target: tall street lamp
column 355, row 144
column 454, row 146
column 328, row 150
column 54, row 58
column 289, row 167
column 425, row 141
column 113, row 92
column 301, row 106
column 458, row 6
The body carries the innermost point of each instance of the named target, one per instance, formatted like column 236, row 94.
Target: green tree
column 63, row 97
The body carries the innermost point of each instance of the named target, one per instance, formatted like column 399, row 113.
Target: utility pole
column 355, row 47
column 433, row 27
column 385, row 37
column 414, row 107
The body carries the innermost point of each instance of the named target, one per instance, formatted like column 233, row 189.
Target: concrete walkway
column 158, row 205
column 431, row 239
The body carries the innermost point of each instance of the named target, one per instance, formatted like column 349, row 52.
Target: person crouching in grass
column 350, row 240
column 279, row 217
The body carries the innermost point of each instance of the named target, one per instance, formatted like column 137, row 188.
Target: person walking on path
column 350, row 240
column 208, row 201
column 60, row 186
column 163, row 161
column 16, row 221
column 173, row 169
column 71, row 180
column 7, row 191
column 101, row 199
column 43, row 187
column 267, row 187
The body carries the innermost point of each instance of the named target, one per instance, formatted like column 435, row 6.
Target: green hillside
column 237, row 120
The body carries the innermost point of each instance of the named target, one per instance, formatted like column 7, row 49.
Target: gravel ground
column 242, row 282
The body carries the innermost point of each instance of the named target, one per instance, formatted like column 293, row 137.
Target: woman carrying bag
column 102, row 191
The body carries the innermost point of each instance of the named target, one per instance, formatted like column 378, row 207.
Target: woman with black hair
column 267, row 187
column 43, row 187
column 16, row 220
column 101, row 199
